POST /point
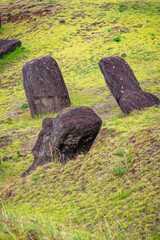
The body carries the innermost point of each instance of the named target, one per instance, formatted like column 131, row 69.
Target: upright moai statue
column 44, row 86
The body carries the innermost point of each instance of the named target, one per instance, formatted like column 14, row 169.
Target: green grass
column 117, row 38
column 24, row 106
column 113, row 191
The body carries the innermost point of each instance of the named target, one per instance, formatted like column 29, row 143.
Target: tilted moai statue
column 124, row 86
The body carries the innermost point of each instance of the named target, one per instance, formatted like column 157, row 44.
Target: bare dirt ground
column 25, row 11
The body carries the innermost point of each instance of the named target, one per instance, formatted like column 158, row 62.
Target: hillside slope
column 113, row 191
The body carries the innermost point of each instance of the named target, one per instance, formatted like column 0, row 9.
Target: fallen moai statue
column 124, row 86
column 44, row 86
column 7, row 46
column 71, row 133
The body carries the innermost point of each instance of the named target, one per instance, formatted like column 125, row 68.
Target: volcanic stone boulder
column 72, row 132
column 124, row 86
column 44, row 86
column 7, row 46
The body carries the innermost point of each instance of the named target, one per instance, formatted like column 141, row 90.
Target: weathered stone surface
column 7, row 46
column 118, row 75
column 42, row 150
column 124, row 86
column 72, row 132
column 137, row 100
column 44, row 86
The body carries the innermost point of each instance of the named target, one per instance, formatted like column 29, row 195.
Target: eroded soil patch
column 22, row 12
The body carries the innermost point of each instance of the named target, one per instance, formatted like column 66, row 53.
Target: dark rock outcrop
column 7, row 46
column 71, row 133
column 44, row 86
column 124, row 86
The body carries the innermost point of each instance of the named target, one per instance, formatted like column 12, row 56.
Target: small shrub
column 117, row 39
column 134, row 6
column 17, row 156
column 111, row 130
column 104, row 123
column 123, row 55
column 122, row 8
column 24, row 106
column 120, row 115
column 35, row 178
column 119, row 152
column 129, row 158
column 152, row 34
column 120, row 169
column 124, row 193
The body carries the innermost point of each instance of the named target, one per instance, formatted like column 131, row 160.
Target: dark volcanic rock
column 47, row 122
column 62, row 21
column 44, row 86
column 75, row 130
column 42, row 150
column 72, row 132
column 124, row 86
column 123, row 55
column 118, row 76
column 137, row 100
column 7, row 46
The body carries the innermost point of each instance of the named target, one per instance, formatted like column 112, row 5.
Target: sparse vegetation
column 117, row 38
column 113, row 191
column 24, row 106
column 120, row 168
column 122, row 8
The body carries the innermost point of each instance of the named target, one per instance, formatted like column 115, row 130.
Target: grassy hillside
column 113, row 191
